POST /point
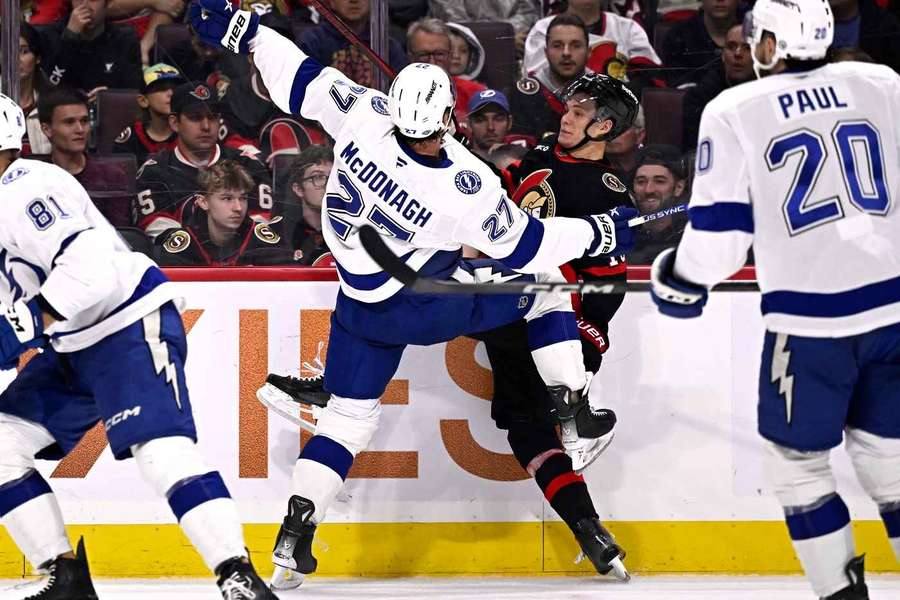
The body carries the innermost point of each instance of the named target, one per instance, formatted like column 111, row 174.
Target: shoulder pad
column 528, row 85
column 124, row 136
column 177, row 241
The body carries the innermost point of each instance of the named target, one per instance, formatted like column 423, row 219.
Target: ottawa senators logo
column 124, row 136
column 264, row 233
column 535, row 196
column 177, row 242
column 201, row 92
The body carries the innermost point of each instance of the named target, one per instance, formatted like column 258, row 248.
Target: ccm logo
column 121, row 416
column 236, row 30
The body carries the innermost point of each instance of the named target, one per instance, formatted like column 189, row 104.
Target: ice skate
column 599, row 546
column 68, row 579
column 238, row 581
column 292, row 554
column 585, row 431
column 857, row 590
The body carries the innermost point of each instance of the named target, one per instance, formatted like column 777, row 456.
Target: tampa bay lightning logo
column 468, row 182
column 13, row 175
column 380, row 105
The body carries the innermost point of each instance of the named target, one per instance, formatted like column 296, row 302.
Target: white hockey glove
column 612, row 235
column 217, row 22
column 674, row 296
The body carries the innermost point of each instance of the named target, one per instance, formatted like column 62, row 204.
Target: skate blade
column 619, row 570
column 285, row 406
column 585, row 458
column 285, row 579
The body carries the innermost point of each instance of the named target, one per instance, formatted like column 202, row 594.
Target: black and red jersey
column 135, row 140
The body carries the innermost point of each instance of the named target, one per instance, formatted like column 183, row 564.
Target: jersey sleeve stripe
column 553, row 328
column 722, row 216
column 840, row 304
column 308, row 71
column 528, row 246
column 65, row 244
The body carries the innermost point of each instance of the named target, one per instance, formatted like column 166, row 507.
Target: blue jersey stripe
column 309, row 70
column 839, row 304
column 528, row 245
column 440, row 265
column 722, row 216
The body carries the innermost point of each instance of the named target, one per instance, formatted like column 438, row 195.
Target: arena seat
column 116, row 110
column 663, row 115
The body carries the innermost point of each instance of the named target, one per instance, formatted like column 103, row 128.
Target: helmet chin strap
column 586, row 138
column 761, row 66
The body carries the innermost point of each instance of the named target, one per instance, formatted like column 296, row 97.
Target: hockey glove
column 217, row 22
column 21, row 329
column 673, row 296
column 612, row 235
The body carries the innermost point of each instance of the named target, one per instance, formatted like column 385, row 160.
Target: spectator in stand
column 536, row 106
column 623, row 151
column 489, row 121
column 64, row 119
column 659, row 182
column 144, row 16
column 693, row 47
column 428, row 41
column 216, row 229
column 326, row 44
column 203, row 63
column 617, row 46
column 466, row 52
column 151, row 133
column 404, row 13
column 90, row 54
column 735, row 67
column 521, row 14
column 303, row 215
column 865, row 25
column 168, row 178
column 32, row 83
column 43, row 12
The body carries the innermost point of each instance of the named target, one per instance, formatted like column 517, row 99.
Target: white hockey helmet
column 803, row 29
column 12, row 124
column 419, row 98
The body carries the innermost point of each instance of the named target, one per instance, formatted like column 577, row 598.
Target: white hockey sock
column 214, row 528
column 561, row 364
column 317, row 482
column 824, row 558
column 37, row 528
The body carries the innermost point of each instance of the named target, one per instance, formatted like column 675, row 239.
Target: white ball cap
column 12, row 124
column 419, row 96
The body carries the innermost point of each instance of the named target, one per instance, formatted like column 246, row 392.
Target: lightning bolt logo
column 160, row 353
column 781, row 358
column 488, row 275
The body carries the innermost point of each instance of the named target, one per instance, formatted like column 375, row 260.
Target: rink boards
column 438, row 492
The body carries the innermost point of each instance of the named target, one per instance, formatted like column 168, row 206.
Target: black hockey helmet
column 613, row 99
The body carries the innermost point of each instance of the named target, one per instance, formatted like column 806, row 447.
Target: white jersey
column 806, row 167
column 54, row 242
column 426, row 209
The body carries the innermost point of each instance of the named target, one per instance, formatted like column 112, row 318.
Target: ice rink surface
column 881, row 587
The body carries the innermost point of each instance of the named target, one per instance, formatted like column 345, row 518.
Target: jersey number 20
column 858, row 147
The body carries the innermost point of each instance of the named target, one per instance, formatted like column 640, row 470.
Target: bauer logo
column 380, row 105
column 468, row 182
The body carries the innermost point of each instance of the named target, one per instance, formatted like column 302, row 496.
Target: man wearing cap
column 168, row 178
column 659, row 182
column 489, row 121
column 151, row 133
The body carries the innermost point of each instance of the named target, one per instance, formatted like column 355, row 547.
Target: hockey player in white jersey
column 804, row 166
column 396, row 168
column 113, row 350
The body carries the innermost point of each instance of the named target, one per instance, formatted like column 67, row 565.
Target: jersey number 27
column 858, row 146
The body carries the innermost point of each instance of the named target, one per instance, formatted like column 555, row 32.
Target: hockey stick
column 399, row 270
column 666, row 212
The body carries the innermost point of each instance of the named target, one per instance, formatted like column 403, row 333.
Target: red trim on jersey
column 599, row 271
column 559, row 482
column 560, row 153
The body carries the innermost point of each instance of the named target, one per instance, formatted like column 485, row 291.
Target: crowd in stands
column 180, row 146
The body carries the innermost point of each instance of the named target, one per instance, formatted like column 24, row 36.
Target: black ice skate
column 238, row 581
column 69, row 579
column 586, row 432
column 293, row 397
column 292, row 554
column 857, row 590
column 599, row 546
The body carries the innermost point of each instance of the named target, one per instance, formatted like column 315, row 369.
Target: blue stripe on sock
column 892, row 522
column 17, row 492
column 328, row 452
column 190, row 493
column 552, row 328
column 828, row 518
